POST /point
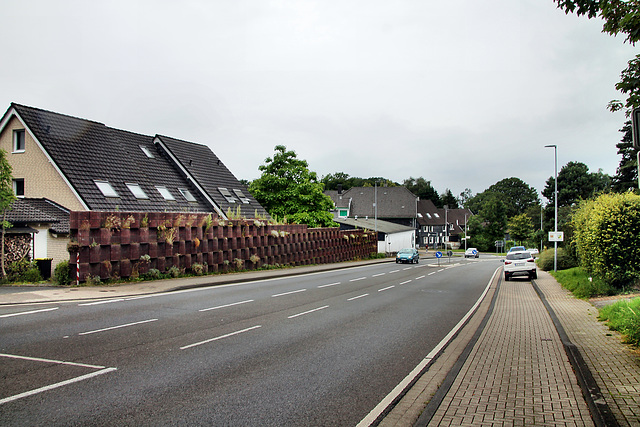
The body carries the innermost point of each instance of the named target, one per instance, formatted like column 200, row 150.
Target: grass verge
column 624, row 317
column 578, row 281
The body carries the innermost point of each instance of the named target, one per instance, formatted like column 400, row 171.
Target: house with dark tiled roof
column 394, row 204
column 84, row 165
column 439, row 227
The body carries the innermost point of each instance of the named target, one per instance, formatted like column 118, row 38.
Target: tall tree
column 626, row 177
column 575, row 183
column 423, row 189
column 448, row 199
column 517, row 194
column 520, row 228
column 288, row 189
column 7, row 197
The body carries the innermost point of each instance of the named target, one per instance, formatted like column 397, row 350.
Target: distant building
column 441, row 228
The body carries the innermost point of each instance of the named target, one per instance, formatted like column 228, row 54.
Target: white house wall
column 396, row 241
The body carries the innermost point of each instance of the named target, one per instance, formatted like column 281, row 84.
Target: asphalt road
column 319, row 349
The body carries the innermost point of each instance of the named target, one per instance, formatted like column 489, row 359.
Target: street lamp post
column 555, row 197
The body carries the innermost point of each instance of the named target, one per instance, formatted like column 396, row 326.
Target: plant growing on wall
column 6, row 198
column 167, row 233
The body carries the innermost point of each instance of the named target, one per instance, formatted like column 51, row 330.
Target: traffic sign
column 556, row 236
column 438, row 254
column 635, row 127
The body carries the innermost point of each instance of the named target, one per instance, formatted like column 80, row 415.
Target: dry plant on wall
column 168, row 233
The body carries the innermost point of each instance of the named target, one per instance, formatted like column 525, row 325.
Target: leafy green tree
column 464, row 197
column 448, row 199
column 494, row 215
column 520, row 228
column 517, row 195
column 288, row 189
column 7, row 197
column 423, row 189
column 626, row 177
column 575, row 183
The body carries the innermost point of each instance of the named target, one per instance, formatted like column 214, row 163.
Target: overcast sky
column 463, row 93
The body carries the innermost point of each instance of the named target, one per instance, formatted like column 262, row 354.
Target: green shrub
column 565, row 260
column 197, row 269
column 578, row 281
column 153, row 274
column 62, row 273
column 174, row 272
column 624, row 317
column 23, row 271
column 606, row 233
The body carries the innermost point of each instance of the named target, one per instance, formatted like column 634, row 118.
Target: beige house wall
column 41, row 179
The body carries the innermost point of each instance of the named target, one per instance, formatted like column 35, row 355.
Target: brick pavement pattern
column 614, row 366
column 517, row 373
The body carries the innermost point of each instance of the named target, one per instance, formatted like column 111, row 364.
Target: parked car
column 520, row 263
column 471, row 253
column 517, row 248
column 533, row 251
column 407, row 255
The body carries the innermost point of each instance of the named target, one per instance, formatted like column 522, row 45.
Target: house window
column 164, row 192
column 137, row 191
column 18, row 187
column 244, row 199
column 227, row 195
column 343, row 213
column 106, row 189
column 18, row 141
column 187, row 194
column 148, row 152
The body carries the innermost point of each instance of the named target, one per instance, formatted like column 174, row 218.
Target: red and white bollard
column 78, row 269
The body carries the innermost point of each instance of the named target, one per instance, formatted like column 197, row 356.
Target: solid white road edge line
column 29, row 312
column 220, row 337
column 375, row 413
column 56, row 385
column 117, row 327
column 109, row 301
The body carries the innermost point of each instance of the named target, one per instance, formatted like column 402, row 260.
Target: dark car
column 407, row 255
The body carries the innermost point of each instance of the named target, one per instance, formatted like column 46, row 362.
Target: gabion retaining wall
column 126, row 244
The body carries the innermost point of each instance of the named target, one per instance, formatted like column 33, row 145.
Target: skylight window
column 187, row 194
column 428, row 215
column 436, row 215
column 148, row 152
column 227, row 195
column 137, row 191
column 106, row 189
column 164, row 192
column 244, row 199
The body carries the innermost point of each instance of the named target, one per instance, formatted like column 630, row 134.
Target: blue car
column 407, row 255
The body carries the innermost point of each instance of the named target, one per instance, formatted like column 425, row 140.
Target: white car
column 533, row 251
column 520, row 263
column 471, row 253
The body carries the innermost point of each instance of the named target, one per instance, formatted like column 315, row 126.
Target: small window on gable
column 147, row 151
column 244, row 199
column 227, row 195
column 187, row 194
column 18, row 141
column 18, row 187
column 164, row 192
column 106, row 189
column 137, row 191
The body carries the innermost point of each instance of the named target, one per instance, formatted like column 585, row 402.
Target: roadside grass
column 624, row 317
column 578, row 281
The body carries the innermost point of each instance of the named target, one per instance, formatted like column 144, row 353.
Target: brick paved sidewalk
column 518, row 372
column 614, row 366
